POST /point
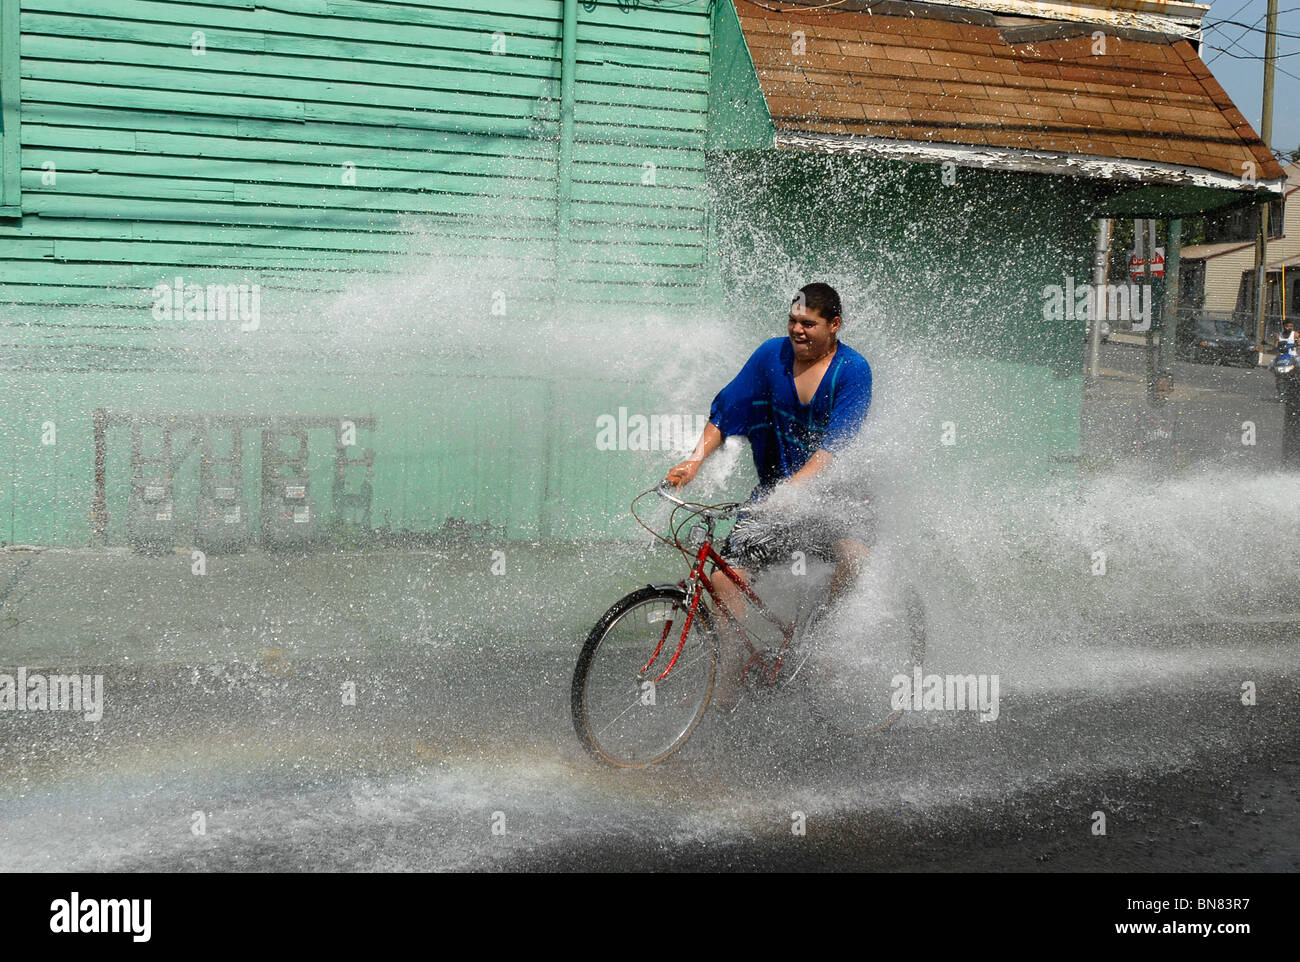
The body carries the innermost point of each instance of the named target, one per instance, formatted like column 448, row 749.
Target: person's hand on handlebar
column 683, row 473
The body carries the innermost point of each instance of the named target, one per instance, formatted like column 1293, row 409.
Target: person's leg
column 850, row 558
column 731, row 648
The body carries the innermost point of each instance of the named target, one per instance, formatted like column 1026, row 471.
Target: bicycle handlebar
column 719, row 511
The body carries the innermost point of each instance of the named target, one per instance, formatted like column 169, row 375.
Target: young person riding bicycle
column 799, row 399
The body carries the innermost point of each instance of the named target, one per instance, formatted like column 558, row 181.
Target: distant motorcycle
column 1283, row 368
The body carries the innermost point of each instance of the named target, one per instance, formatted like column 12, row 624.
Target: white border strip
column 1181, row 19
column 1009, row 158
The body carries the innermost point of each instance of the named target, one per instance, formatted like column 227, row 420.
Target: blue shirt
column 761, row 403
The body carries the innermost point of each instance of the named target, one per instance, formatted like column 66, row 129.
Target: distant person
column 1287, row 337
column 799, row 399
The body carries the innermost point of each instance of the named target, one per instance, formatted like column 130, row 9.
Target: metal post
column 1148, row 227
column 1169, row 312
column 1100, row 272
column 1150, row 276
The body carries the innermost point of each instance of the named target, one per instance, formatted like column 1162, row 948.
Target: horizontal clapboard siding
column 144, row 163
column 142, row 158
column 629, row 175
column 1223, row 279
column 229, row 165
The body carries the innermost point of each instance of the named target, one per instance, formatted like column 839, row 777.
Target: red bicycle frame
column 770, row 670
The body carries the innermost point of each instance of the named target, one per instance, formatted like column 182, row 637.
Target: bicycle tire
column 612, row 716
column 849, row 695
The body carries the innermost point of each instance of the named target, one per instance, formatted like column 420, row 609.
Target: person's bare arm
column 782, row 497
column 685, row 472
column 815, row 465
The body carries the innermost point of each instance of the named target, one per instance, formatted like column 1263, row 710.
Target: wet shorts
column 757, row 541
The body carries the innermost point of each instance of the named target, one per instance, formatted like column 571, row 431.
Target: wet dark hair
column 821, row 298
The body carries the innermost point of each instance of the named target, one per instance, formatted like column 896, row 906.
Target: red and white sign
column 1137, row 268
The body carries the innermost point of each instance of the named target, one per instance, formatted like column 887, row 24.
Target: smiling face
column 811, row 335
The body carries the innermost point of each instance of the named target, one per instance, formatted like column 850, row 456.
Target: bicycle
column 639, row 691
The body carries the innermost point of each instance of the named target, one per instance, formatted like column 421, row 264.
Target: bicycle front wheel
column 626, row 711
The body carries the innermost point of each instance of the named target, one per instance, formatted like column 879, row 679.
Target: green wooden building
column 493, row 227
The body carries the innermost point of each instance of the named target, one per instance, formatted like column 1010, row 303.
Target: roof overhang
column 1017, row 86
column 1029, row 161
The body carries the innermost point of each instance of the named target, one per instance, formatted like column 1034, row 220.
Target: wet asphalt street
column 462, row 756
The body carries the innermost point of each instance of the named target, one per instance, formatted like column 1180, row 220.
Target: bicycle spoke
column 612, row 721
column 682, row 664
column 611, row 709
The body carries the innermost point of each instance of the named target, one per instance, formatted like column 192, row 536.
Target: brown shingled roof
column 944, row 82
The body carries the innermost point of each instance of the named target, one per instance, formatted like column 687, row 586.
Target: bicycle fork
column 692, row 586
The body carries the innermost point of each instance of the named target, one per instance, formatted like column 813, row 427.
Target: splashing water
column 1050, row 580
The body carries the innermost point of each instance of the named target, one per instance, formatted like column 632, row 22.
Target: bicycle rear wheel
column 845, row 673
column 623, row 712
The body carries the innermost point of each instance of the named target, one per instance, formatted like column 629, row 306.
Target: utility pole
column 1266, row 134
